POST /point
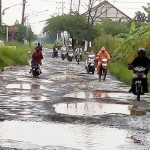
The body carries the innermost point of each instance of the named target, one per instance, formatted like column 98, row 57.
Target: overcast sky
column 39, row 10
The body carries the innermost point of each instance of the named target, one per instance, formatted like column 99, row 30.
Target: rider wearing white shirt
column 79, row 50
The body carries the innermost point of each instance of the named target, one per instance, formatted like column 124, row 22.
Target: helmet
column 141, row 49
column 103, row 49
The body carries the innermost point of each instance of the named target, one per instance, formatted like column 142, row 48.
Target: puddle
column 93, row 137
column 95, row 108
column 29, row 98
column 24, row 86
column 31, row 79
column 86, row 95
column 65, row 77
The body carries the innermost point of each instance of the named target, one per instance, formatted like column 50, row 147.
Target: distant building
column 105, row 10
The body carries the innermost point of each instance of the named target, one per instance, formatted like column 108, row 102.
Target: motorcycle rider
column 78, row 50
column 38, row 56
column 89, row 52
column 140, row 60
column 100, row 55
column 63, row 49
column 69, row 48
column 39, row 45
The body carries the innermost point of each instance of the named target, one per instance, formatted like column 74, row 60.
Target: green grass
column 14, row 57
column 50, row 46
column 121, row 72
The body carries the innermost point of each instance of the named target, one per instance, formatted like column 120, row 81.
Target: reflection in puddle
column 86, row 95
column 24, row 86
column 30, row 98
column 93, row 108
column 93, row 137
column 64, row 77
column 136, row 112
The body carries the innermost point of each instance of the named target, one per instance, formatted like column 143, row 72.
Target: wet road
column 68, row 109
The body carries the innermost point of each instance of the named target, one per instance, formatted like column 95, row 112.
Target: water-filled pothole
column 95, row 108
column 87, row 94
column 24, row 86
column 78, row 136
column 30, row 98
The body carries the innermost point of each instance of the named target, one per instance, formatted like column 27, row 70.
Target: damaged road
column 66, row 108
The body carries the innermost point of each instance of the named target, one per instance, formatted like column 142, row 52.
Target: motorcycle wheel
column 138, row 88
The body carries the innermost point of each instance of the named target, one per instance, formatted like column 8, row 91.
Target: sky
column 37, row 11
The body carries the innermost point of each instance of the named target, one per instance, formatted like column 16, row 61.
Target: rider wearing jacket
column 100, row 55
column 140, row 60
column 37, row 56
column 78, row 51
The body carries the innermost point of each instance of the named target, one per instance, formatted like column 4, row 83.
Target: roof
column 106, row 2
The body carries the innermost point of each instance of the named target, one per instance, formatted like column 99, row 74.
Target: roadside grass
column 50, row 46
column 121, row 72
column 14, row 57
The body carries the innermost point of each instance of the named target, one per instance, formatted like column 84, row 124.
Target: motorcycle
column 70, row 56
column 63, row 55
column 138, row 77
column 78, row 57
column 103, row 70
column 90, row 67
column 55, row 53
column 35, row 69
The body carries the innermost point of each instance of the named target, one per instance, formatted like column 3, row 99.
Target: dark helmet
column 141, row 49
column 38, row 43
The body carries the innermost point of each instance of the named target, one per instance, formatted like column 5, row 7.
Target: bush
column 13, row 57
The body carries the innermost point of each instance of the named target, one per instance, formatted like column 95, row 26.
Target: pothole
column 87, row 94
column 30, row 98
column 24, row 86
column 95, row 108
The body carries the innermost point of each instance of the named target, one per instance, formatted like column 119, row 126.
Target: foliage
column 75, row 25
column 139, row 16
column 147, row 9
column 114, row 27
column 13, row 57
column 24, row 33
column 109, row 42
column 139, row 37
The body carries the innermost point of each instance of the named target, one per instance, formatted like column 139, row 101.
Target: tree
column 139, row 16
column 74, row 24
column 24, row 33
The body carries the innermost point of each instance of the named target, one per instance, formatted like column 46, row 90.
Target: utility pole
column 0, row 19
column 23, row 11
column 79, row 6
column 88, row 24
column 70, row 6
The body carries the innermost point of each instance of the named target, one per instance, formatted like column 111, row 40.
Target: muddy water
column 85, row 137
column 32, row 100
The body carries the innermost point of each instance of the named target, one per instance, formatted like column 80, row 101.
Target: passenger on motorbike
column 63, row 49
column 69, row 48
column 78, row 51
column 140, row 60
column 89, row 52
column 37, row 56
column 39, row 45
column 100, row 55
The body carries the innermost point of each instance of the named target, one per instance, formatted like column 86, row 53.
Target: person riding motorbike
column 37, row 56
column 100, row 55
column 140, row 60
column 89, row 52
column 78, row 50
column 63, row 50
column 69, row 48
column 39, row 45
